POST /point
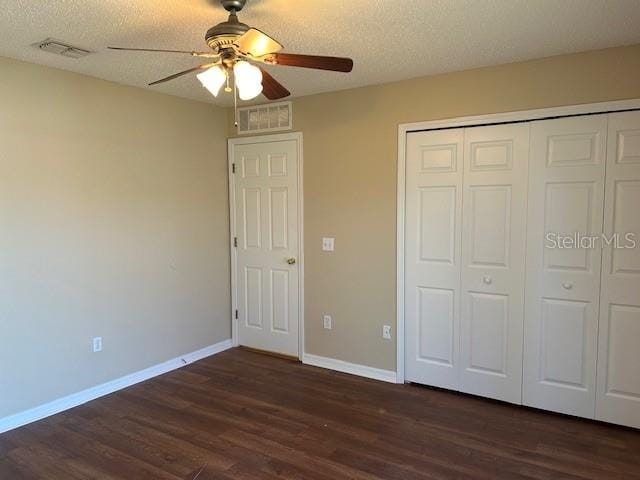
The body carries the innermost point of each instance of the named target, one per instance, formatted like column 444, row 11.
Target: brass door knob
column 291, row 261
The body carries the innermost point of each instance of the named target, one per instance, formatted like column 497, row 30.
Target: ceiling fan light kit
column 235, row 47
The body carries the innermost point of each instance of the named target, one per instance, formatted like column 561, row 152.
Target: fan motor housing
column 225, row 33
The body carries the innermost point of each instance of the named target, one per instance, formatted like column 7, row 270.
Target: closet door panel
column 563, row 334
column 432, row 269
column 493, row 259
column 566, row 193
column 618, row 389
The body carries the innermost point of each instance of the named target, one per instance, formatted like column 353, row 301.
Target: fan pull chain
column 235, row 103
column 227, row 88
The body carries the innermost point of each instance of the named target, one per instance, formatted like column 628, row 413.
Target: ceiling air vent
column 54, row 46
column 273, row 117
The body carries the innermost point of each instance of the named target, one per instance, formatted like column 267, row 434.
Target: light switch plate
column 327, row 322
column 328, row 244
column 97, row 344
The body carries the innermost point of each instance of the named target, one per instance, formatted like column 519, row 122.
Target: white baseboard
column 352, row 368
column 75, row 399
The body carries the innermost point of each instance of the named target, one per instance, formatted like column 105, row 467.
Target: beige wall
column 350, row 155
column 113, row 223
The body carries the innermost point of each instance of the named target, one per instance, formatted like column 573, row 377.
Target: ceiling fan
column 235, row 47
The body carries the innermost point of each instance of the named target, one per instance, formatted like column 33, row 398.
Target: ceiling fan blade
column 176, row 75
column 257, row 43
column 271, row 88
column 335, row 64
column 153, row 50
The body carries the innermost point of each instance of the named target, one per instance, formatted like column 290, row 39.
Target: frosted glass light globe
column 248, row 80
column 213, row 79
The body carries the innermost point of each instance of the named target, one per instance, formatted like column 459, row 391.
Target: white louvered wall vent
column 273, row 117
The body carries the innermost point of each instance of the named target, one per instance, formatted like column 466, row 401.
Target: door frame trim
column 231, row 143
column 461, row 122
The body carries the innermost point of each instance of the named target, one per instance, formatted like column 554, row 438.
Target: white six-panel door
column 493, row 260
column 266, row 220
column 618, row 389
column 433, row 235
column 566, row 189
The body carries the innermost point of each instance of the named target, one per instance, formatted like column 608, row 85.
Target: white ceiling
column 389, row 40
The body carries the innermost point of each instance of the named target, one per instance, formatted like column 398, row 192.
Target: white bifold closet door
column 493, row 260
column 433, row 257
column 465, row 264
column 566, row 190
column 618, row 386
column 561, row 197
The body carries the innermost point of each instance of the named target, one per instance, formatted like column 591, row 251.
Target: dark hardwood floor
column 249, row 416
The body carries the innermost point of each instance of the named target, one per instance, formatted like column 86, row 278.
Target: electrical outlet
column 327, row 322
column 386, row 332
column 97, row 344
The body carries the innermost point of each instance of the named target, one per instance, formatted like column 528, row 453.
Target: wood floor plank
column 10, row 470
column 245, row 415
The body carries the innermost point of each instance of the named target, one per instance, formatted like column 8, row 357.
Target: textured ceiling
column 389, row 40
